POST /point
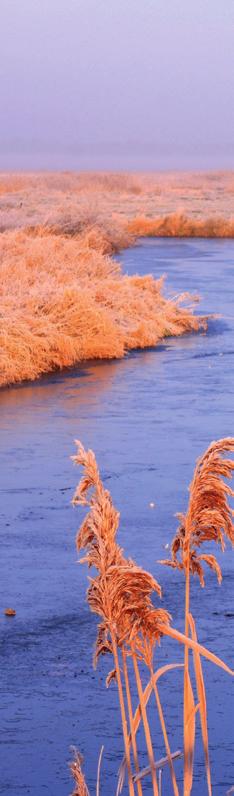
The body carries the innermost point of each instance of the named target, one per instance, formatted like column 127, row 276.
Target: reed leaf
column 189, row 729
column 145, row 725
column 130, row 715
column 138, row 715
column 158, row 764
column 193, row 645
column 202, row 702
column 99, row 771
column 165, row 737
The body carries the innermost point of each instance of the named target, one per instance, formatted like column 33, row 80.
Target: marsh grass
column 65, row 300
column 131, row 626
column 62, row 299
column 179, row 225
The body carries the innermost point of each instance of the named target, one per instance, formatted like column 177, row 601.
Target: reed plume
column 209, row 518
column 120, row 594
column 77, row 773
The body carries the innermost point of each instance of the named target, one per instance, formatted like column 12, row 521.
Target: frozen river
column 147, row 418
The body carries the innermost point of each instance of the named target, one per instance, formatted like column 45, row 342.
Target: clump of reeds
column 209, row 518
column 64, row 300
column 179, row 225
column 131, row 626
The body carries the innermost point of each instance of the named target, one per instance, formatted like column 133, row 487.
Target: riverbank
column 63, row 299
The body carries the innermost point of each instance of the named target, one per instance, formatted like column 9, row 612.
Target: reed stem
column 165, row 736
column 160, row 782
column 99, row 771
column 186, row 667
column 146, row 725
column 131, row 722
column 123, row 714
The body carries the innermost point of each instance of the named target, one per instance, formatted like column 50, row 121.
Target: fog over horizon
column 114, row 85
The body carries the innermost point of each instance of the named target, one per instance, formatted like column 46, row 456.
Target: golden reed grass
column 209, row 518
column 178, row 225
column 67, row 200
column 65, row 300
column 131, row 626
column 62, row 299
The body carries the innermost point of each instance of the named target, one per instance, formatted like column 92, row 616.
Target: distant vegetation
column 177, row 225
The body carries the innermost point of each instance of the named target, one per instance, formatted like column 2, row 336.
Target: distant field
column 69, row 200
column 63, row 299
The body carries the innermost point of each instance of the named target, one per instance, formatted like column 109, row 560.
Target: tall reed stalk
column 188, row 698
column 208, row 519
column 123, row 713
column 131, row 722
column 145, row 724
column 164, row 732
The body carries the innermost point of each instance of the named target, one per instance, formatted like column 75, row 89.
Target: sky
column 116, row 84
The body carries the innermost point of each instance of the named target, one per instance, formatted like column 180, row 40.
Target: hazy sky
column 131, row 84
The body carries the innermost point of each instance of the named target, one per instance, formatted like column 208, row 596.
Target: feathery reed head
column 121, row 591
column 98, row 530
column 209, row 516
column 77, row 773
